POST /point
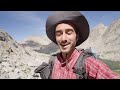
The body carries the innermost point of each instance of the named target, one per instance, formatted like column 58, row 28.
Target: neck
column 66, row 56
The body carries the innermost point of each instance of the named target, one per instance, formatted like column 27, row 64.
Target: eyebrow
column 65, row 29
column 57, row 31
column 70, row 29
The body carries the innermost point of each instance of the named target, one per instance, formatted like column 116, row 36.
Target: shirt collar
column 71, row 57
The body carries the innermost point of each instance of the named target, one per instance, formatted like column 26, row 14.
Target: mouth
column 64, row 46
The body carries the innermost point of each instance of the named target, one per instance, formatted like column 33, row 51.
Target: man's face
column 65, row 37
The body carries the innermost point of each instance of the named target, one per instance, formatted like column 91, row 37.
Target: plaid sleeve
column 96, row 69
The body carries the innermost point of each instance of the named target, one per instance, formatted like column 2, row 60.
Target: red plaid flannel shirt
column 95, row 69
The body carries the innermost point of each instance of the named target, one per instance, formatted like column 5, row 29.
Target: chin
column 65, row 51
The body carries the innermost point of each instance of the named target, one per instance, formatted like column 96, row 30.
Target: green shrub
column 113, row 65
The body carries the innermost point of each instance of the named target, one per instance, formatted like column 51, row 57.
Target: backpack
column 45, row 69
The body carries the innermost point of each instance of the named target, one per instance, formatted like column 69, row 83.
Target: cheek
column 57, row 40
column 73, row 38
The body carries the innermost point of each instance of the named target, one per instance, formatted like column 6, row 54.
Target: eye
column 58, row 33
column 69, row 32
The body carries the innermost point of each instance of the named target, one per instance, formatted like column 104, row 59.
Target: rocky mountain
column 43, row 40
column 17, row 62
column 95, row 38
column 40, row 44
column 35, row 42
column 105, row 41
column 111, row 39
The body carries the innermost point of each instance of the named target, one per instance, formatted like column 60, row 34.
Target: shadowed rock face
column 48, row 49
column 31, row 44
column 39, row 46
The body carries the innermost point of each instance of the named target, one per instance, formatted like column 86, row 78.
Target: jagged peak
column 2, row 30
column 99, row 26
column 115, row 22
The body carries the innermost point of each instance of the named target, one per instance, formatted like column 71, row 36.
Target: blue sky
column 21, row 24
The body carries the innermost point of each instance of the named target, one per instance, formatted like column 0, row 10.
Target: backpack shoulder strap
column 51, row 62
column 52, row 59
column 79, row 68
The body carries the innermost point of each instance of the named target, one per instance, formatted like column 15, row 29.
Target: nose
column 64, row 37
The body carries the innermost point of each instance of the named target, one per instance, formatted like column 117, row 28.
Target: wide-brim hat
column 73, row 17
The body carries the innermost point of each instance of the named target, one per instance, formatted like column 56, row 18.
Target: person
column 69, row 29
